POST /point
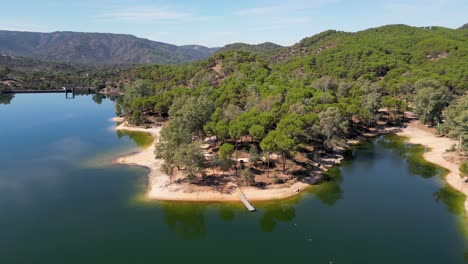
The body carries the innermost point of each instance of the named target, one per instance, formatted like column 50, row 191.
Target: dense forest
column 311, row 96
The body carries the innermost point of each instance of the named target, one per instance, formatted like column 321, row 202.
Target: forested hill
column 317, row 92
column 389, row 54
column 97, row 48
column 263, row 49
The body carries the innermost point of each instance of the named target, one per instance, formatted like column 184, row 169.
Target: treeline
column 318, row 92
column 25, row 73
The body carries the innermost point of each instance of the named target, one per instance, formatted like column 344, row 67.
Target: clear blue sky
column 216, row 23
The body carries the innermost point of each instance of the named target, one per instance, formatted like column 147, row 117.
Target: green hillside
column 263, row 50
column 389, row 55
column 318, row 93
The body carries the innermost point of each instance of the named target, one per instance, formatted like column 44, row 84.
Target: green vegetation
column 456, row 121
column 430, row 101
column 464, row 169
column 263, row 50
column 224, row 160
column 23, row 73
column 316, row 93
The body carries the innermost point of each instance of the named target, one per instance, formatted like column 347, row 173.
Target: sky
column 217, row 23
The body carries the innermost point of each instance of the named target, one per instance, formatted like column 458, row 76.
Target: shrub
column 464, row 169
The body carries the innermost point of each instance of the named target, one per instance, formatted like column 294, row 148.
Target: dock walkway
column 245, row 201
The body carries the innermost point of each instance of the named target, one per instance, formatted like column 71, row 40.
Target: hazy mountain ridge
column 97, row 48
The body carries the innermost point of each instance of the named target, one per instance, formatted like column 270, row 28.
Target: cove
column 63, row 201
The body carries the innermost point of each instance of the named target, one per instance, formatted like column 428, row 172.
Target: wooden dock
column 245, row 201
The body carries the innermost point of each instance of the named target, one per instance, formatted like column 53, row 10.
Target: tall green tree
column 268, row 146
column 291, row 125
column 257, row 132
column 276, row 141
column 430, row 100
column 237, row 129
column 190, row 158
column 332, row 128
column 456, row 122
column 225, row 160
column 192, row 113
column 172, row 137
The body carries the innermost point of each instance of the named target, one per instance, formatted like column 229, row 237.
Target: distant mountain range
column 112, row 49
column 97, row 48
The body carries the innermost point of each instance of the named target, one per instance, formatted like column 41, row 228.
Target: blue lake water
column 62, row 201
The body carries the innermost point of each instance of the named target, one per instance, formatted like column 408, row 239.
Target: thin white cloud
column 145, row 14
column 283, row 8
column 401, row 7
column 153, row 14
column 283, row 23
column 259, row 10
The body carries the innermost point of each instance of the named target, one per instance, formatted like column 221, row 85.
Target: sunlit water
column 62, row 201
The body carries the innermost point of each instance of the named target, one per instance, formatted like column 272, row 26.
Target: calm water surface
column 61, row 201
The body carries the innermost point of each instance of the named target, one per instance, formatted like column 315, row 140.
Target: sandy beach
column 161, row 188
column 437, row 147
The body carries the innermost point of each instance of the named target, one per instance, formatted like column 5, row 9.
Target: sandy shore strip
column 438, row 146
column 161, row 188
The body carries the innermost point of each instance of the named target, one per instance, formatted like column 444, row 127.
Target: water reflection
column 187, row 220
column 226, row 213
column 98, row 98
column 417, row 165
column 141, row 139
column 330, row 191
column 413, row 154
column 6, row 98
column 364, row 152
column 451, row 198
column 281, row 212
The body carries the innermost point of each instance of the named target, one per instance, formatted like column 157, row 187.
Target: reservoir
column 63, row 201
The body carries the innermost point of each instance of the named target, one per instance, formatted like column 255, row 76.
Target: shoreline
column 437, row 146
column 161, row 188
